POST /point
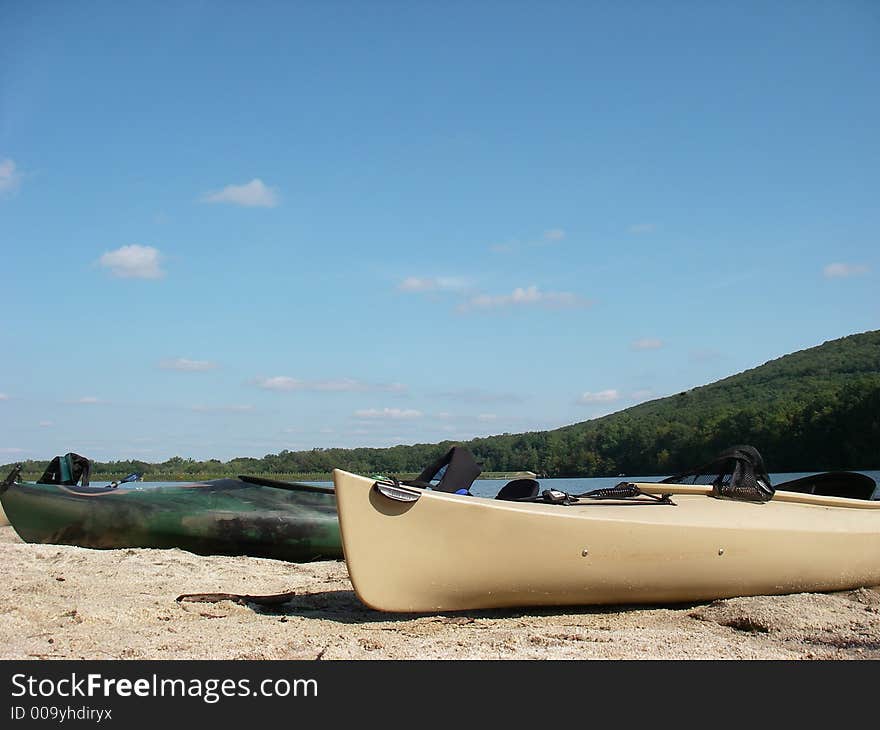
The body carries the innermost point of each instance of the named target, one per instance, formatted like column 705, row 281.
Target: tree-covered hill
column 813, row 410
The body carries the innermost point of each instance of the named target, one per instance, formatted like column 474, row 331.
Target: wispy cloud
column 642, row 394
column 185, row 365
column 529, row 296
column 88, row 400
column 283, row 383
column 840, row 271
column 553, row 235
column 3, row 396
column 255, row 194
column 387, row 413
column 602, row 396
column 133, row 262
column 647, row 343
column 431, row 284
column 642, row 228
column 487, row 417
column 10, row 178
column 46, row 424
column 11, row 450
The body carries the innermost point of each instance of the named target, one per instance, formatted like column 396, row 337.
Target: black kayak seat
column 518, row 489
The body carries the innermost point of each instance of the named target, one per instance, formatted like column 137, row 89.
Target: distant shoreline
column 283, row 476
column 327, row 477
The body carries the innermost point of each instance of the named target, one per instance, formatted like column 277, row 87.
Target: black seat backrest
column 737, row 473
column 68, row 470
column 460, row 472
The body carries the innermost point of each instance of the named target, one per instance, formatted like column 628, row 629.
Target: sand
column 62, row 602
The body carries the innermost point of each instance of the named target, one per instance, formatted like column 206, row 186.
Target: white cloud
column 255, row 194
column 11, row 450
column 647, row 343
column 88, row 400
column 839, row 271
column 133, row 262
column 603, row 396
column 554, row 234
column 342, row 385
column 46, row 424
column 486, row 417
column 523, row 297
column 185, row 365
column 388, row 413
column 430, row 284
column 640, row 228
column 9, row 177
column 280, row 382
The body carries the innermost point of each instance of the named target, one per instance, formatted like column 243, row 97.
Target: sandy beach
column 62, row 602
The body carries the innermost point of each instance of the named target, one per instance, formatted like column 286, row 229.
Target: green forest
column 813, row 410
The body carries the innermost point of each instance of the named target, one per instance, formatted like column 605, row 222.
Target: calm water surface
column 490, row 487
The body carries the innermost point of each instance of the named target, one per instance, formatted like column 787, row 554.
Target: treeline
column 814, row 410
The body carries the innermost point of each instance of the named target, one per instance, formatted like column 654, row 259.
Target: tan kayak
column 418, row 550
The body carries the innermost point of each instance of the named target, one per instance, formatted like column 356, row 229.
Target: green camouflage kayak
column 244, row 516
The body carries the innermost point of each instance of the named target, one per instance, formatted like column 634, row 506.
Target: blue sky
column 229, row 229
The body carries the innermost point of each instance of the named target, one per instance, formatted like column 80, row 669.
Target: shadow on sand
column 345, row 607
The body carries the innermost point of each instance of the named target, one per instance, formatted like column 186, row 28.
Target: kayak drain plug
column 584, row 553
column 721, row 551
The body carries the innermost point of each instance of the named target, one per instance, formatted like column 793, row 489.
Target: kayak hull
column 218, row 517
column 446, row 552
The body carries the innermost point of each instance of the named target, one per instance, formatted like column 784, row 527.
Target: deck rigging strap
column 627, row 490
column 618, row 491
column 623, row 493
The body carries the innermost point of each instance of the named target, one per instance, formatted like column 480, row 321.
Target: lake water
column 490, row 487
